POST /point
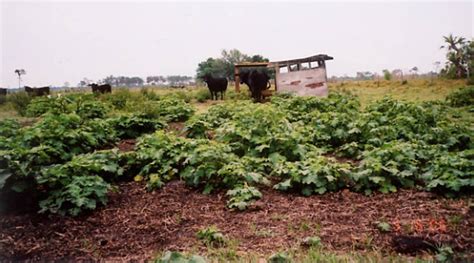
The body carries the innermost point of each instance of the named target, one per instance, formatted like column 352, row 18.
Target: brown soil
column 176, row 127
column 137, row 224
column 127, row 145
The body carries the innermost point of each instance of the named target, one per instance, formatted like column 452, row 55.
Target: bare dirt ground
column 137, row 224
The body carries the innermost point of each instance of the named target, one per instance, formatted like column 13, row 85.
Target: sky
column 58, row 42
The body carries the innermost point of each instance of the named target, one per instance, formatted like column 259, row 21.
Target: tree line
column 123, row 81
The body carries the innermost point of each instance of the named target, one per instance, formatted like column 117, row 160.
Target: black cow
column 215, row 85
column 37, row 91
column 3, row 92
column 105, row 88
column 257, row 81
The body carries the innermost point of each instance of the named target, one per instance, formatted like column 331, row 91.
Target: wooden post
column 237, row 79
column 277, row 71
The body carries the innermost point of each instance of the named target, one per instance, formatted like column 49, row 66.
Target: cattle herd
column 42, row 91
column 256, row 80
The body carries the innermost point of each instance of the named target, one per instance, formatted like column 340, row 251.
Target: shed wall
column 311, row 82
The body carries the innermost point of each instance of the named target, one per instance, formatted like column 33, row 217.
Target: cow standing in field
column 37, row 91
column 106, row 88
column 3, row 92
column 215, row 85
column 257, row 81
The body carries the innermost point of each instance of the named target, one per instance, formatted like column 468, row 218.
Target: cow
column 105, row 88
column 3, row 92
column 37, row 91
column 215, row 85
column 257, row 81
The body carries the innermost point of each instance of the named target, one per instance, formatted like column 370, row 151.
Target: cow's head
column 244, row 77
column 93, row 85
column 206, row 77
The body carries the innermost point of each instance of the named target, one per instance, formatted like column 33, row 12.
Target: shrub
column 260, row 130
column 392, row 165
column 315, row 174
column 119, row 98
column 149, row 94
column 84, row 105
column 451, row 173
column 176, row 257
column 75, row 195
column 82, row 182
column 461, row 97
column 169, row 109
column 159, row 157
column 211, row 236
column 203, row 166
column 20, row 101
column 242, row 196
column 202, row 95
column 178, row 95
column 231, row 94
column 134, row 125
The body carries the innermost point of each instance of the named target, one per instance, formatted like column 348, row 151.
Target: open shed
column 303, row 76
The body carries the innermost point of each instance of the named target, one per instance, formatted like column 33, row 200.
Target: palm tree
column 414, row 71
column 455, row 53
column 20, row 72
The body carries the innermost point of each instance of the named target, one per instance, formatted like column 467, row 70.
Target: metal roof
column 319, row 57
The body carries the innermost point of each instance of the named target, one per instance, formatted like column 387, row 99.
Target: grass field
column 367, row 91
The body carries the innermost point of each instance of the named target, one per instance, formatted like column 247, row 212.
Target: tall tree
column 386, row 74
column 398, row 72
column 20, row 72
column 213, row 66
column 414, row 71
column 224, row 66
column 455, row 46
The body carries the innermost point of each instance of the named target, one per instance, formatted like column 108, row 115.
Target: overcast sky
column 57, row 42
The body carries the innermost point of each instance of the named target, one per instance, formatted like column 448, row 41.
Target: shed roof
column 251, row 64
column 319, row 57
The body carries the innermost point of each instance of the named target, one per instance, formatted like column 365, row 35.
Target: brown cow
column 106, row 88
column 37, row 91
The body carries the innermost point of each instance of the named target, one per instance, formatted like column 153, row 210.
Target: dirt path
column 137, row 224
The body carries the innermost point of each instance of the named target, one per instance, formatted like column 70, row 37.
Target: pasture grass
column 367, row 91
column 415, row 90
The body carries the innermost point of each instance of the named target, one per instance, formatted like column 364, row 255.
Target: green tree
column 20, row 72
column 459, row 56
column 213, row 66
column 224, row 66
column 386, row 74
